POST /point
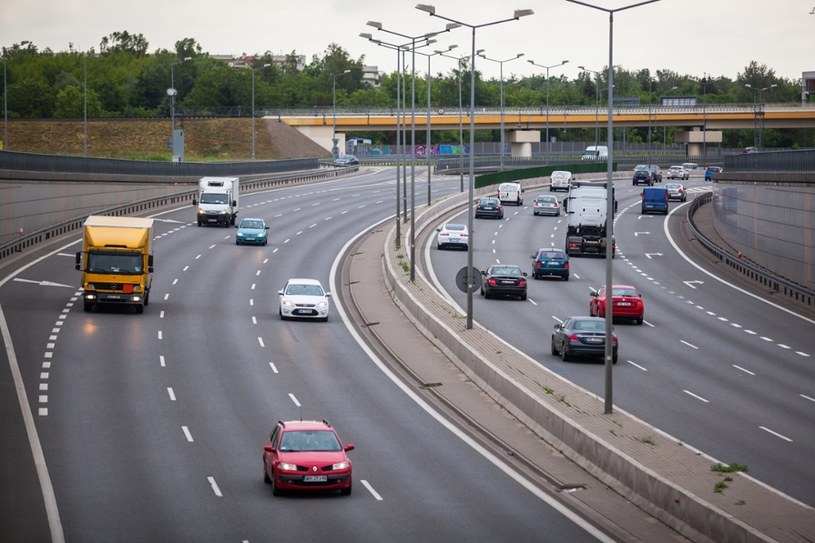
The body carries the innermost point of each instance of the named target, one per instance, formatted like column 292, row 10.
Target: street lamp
column 596, row 104
column 431, row 10
column 172, row 90
column 6, row 146
column 532, row 62
column 460, row 124
column 335, row 152
column 253, row 106
column 85, row 108
column 609, row 404
column 412, row 39
column 427, row 137
column 501, row 72
column 758, row 132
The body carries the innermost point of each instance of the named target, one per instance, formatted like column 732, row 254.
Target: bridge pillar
column 322, row 136
column 521, row 141
column 697, row 139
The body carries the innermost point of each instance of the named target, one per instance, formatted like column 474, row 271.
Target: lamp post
column 609, row 404
column 335, row 152
column 758, row 131
column 501, row 86
column 412, row 39
column 460, row 124
column 172, row 90
column 85, row 108
column 253, row 106
column 431, row 10
column 596, row 104
column 6, row 146
column 532, row 62
column 427, row 152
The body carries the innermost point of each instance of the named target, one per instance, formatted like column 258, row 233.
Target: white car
column 452, row 235
column 678, row 172
column 304, row 298
column 560, row 180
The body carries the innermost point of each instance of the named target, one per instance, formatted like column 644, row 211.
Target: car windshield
column 251, row 224
column 214, row 198
column 505, row 270
column 298, row 289
column 309, row 440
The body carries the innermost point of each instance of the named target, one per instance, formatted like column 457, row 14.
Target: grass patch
column 719, row 487
column 731, row 468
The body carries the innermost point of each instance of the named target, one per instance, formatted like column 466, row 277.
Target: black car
column 582, row 336
column 656, row 173
column 550, row 262
column 643, row 175
column 489, row 208
column 503, row 280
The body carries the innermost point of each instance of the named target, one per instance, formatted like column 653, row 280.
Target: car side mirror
column 268, row 448
column 266, row 227
column 558, row 326
column 524, row 274
column 280, row 292
column 349, row 447
column 194, row 202
column 327, row 294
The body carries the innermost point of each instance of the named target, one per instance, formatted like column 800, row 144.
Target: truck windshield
column 122, row 263
column 213, row 198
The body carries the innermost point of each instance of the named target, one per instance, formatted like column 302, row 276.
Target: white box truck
column 217, row 200
column 587, row 223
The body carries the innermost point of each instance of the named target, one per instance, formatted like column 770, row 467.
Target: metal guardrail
column 757, row 273
column 40, row 236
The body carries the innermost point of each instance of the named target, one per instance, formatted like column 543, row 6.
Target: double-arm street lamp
column 431, row 10
column 335, row 151
column 758, row 132
column 460, row 61
column 172, row 90
column 596, row 104
column 609, row 400
column 413, row 40
column 253, row 106
column 561, row 63
column 481, row 54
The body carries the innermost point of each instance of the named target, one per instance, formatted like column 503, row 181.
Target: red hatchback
column 306, row 455
column 626, row 303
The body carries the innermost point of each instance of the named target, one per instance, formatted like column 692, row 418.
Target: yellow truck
column 116, row 261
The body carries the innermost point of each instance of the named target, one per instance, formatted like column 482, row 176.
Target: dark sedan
column 642, row 175
column 582, row 336
column 489, row 208
column 503, row 280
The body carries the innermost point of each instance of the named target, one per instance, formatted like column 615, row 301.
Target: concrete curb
column 663, row 476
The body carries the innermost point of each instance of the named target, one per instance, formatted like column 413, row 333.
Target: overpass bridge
column 702, row 124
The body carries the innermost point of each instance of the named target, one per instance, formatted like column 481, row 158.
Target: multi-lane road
column 124, row 427
column 728, row 371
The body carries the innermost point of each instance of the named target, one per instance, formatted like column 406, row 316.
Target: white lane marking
column 260, row 341
column 185, row 268
column 767, row 339
column 804, row 396
column 171, row 393
column 776, row 434
column 161, row 361
column 533, row 302
column 373, row 492
column 258, row 273
column 44, row 387
column 265, row 260
column 805, row 355
column 294, row 399
column 212, row 246
column 175, row 281
column 43, row 398
column 166, row 296
column 161, row 315
column 689, row 344
column 784, row 346
column 187, row 433
column 197, row 257
column 46, row 365
column 689, row 393
column 744, row 370
column 159, row 334
column 214, row 486
column 637, row 365
column 274, row 368
column 252, row 287
column 251, row 302
column 254, row 320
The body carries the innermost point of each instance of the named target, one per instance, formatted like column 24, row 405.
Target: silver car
column 546, row 205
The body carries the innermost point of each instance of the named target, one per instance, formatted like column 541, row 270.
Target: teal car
column 251, row 232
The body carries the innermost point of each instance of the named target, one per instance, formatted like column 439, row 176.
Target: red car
column 306, row 455
column 626, row 303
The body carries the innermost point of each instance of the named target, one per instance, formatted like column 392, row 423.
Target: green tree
column 70, row 102
column 124, row 42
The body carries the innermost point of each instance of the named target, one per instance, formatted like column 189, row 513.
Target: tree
column 70, row 102
column 124, row 42
column 187, row 47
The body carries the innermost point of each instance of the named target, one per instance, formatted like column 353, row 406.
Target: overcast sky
column 690, row 37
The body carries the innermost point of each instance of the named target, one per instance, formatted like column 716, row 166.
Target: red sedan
column 306, row 455
column 626, row 303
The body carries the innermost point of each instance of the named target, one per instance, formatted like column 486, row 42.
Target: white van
column 511, row 193
column 595, row 152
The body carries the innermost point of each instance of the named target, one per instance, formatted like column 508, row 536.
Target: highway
column 729, row 372
column 151, row 427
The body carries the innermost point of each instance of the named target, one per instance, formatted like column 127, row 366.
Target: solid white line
column 187, row 433
column 744, row 370
column 214, row 486
column 776, row 434
column 689, row 344
column 689, row 393
column 294, row 399
column 373, row 492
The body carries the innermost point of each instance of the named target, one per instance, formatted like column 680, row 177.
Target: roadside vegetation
column 125, row 81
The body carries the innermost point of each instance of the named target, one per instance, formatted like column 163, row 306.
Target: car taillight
column 566, row 266
column 491, row 281
column 522, row 283
column 444, row 234
column 538, row 264
column 572, row 337
column 464, row 235
column 478, row 206
column 642, row 196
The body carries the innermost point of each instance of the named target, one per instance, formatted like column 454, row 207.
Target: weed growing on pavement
column 548, row 390
column 648, row 440
column 731, row 468
column 719, row 487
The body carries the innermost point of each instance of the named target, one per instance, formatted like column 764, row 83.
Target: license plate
column 315, row 478
column 303, row 312
column 507, row 282
column 594, row 340
column 625, row 304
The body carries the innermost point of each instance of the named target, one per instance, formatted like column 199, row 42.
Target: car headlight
column 241, row 234
column 286, row 466
column 201, row 211
column 322, row 305
column 262, row 235
column 341, row 465
column 285, row 302
column 222, row 212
